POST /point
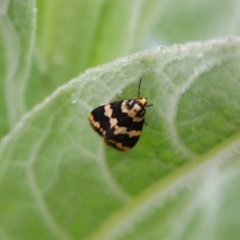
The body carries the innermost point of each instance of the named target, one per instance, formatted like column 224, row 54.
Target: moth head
column 135, row 108
column 142, row 101
column 138, row 107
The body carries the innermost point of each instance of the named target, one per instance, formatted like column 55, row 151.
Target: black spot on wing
column 130, row 125
column 124, row 139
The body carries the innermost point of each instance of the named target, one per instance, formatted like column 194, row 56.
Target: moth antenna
column 148, row 105
column 118, row 96
column 139, row 85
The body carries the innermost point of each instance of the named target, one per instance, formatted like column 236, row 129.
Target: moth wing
column 124, row 139
column 99, row 121
column 115, row 126
column 125, row 133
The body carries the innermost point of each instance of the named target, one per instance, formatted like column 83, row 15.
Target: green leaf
column 57, row 178
column 59, row 181
column 17, row 28
column 184, row 20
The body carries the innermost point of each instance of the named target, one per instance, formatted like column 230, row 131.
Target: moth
column 120, row 123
